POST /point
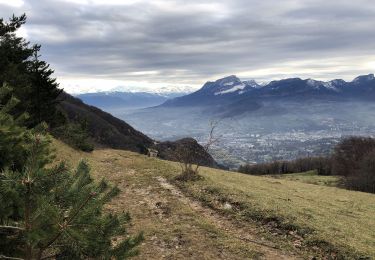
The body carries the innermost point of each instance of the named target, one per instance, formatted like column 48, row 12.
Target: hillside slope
column 106, row 129
column 237, row 216
column 109, row 131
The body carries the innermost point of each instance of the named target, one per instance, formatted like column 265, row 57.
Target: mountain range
column 231, row 96
column 121, row 99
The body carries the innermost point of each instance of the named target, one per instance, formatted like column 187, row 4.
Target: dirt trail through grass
column 174, row 225
column 179, row 223
column 243, row 233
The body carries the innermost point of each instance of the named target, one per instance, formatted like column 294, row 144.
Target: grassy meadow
column 335, row 219
column 301, row 219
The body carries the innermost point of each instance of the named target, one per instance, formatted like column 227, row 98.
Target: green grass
column 335, row 219
column 310, row 177
column 173, row 230
column 339, row 221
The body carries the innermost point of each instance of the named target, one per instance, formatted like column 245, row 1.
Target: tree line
column 353, row 159
column 320, row 164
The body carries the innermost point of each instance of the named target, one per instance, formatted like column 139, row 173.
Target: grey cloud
column 113, row 41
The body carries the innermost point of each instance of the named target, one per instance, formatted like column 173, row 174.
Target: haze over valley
column 258, row 123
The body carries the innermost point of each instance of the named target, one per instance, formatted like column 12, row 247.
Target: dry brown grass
column 332, row 218
column 337, row 219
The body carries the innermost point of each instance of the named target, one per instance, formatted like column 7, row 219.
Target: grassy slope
column 173, row 230
column 344, row 219
column 325, row 216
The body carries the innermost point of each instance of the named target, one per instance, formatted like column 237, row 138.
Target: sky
column 178, row 45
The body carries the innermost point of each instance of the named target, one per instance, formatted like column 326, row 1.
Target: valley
column 277, row 131
column 282, row 120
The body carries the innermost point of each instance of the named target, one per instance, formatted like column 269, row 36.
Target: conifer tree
column 31, row 78
column 13, row 147
column 45, row 91
column 15, row 53
column 52, row 212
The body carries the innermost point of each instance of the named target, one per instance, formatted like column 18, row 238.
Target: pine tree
column 30, row 77
column 15, row 53
column 44, row 93
column 52, row 212
column 13, row 147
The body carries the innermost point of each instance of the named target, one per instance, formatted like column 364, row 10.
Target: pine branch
column 65, row 225
column 10, row 258
column 12, row 227
column 49, row 256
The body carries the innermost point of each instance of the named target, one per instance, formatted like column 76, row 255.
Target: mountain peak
column 314, row 83
column 226, row 81
column 252, row 83
column 221, row 83
column 363, row 78
column 229, row 85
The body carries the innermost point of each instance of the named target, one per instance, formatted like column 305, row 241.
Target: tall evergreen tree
column 15, row 53
column 45, row 91
column 31, row 78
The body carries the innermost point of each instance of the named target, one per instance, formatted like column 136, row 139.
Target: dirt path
column 175, row 226
column 247, row 234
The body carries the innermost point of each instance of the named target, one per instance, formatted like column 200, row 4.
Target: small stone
column 227, row 206
column 297, row 243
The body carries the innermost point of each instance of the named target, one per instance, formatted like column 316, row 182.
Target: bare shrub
column 190, row 155
column 354, row 158
column 349, row 153
column 364, row 178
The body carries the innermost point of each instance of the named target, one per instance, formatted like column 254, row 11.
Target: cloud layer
column 95, row 44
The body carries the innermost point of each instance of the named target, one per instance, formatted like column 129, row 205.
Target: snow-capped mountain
column 163, row 91
column 212, row 92
column 231, row 93
column 362, row 87
column 120, row 99
column 228, row 85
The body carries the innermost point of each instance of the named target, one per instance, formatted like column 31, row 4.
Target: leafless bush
column 364, row 178
column 354, row 158
column 191, row 156
column 349, row 153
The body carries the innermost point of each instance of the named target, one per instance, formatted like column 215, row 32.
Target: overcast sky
column 152, row 44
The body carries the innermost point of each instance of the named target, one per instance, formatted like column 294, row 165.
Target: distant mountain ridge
column 118, row 99
column 230, row 95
